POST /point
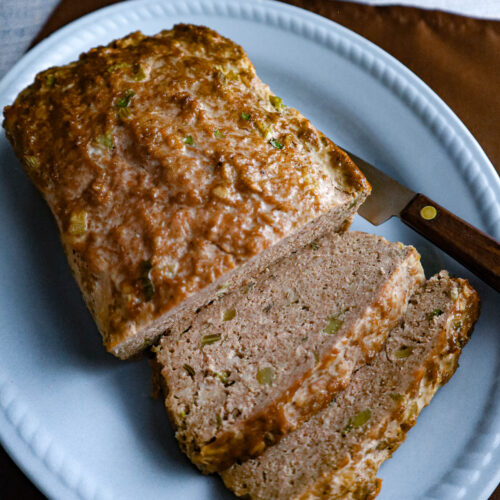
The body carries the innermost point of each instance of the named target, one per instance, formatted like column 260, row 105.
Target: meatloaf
column 337, row 453
column 171, row 169
column 256, row 362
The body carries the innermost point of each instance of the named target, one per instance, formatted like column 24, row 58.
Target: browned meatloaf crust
column 259, row 361
column 168, row 164
column 337, row 453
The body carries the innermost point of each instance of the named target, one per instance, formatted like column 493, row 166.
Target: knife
column 474, row 249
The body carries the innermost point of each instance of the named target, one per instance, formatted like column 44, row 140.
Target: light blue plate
column 81, row 424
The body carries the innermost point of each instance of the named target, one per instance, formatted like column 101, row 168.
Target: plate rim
column 30, row 460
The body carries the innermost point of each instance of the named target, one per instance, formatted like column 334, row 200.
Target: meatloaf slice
column 171, row 169
column 337, row 453
column 260, row 360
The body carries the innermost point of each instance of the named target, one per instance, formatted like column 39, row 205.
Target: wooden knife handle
column 471, row 247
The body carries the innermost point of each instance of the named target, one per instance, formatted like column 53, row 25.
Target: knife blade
column 477, row 251
column 388, row 197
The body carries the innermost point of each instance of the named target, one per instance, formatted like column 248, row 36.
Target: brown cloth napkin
column 458, row 57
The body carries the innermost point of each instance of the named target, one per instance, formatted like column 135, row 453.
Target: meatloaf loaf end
column 258, row 361
column 171, row 169
column 337, row 453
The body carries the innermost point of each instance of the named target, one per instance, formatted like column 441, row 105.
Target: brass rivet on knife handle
column 428, row 212
column 474, row 249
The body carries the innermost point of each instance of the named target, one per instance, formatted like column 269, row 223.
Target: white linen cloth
column 486, row 9
column 21, row 20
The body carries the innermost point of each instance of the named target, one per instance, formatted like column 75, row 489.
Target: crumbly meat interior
column 336, row 454
column 264, row 357
column 167, row 163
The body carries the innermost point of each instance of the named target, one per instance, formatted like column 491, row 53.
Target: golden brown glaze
column 167, row 162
